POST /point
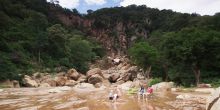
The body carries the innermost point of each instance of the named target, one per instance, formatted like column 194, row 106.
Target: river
column 40, row 99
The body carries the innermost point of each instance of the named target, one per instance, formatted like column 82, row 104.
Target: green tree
column 57, row 36
column 144, row 56
column 193, row 49
column 80, row 53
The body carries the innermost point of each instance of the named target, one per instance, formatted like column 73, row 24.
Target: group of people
column 142, row 92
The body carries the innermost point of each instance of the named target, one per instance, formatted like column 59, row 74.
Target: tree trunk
column 165, row 69
column 143, row 73
column 196, row 71
column 39, row 56
column 148, row 72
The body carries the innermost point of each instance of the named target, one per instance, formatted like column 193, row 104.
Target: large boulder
column 73, row 74
column 213, row 102
column 51, row 82
column 163, row 86
column 95, row 79
column 94, row 72
column 116, row 61
column 113, row 78
column 128, row 75
column 106, row 76
column 136, row 83
column 125, row 76
column 133, row 69
column 82, row 79
column 60, row 80
column 126, row 86
column 29, row 82
column 15, row 84
column 126, row 67
column 37, row 75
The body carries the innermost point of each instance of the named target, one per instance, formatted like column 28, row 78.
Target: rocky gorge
column 72, row 90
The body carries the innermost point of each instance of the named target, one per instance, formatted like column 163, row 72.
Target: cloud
column 116, row 1
column 69, row 3
column 95, row 2
column 203, row 7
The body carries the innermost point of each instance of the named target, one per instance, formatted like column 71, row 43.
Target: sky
column 202, row 7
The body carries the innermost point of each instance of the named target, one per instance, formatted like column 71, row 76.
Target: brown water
column 39, row 99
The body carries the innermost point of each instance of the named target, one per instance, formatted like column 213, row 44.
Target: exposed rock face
column 213, row 102
column 29, row 82
column 95, row 79
column 163, row 86
column 116, row 42
column 73, row 74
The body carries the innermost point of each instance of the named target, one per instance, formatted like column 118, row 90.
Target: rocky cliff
column 116, row 38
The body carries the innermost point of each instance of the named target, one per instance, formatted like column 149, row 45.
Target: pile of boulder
column 120, row 73
column 69, row 78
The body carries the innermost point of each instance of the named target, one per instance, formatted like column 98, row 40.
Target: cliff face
column 115, row 39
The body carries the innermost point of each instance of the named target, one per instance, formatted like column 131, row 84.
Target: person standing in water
column 117, row 94
column 141, row 92
column 114, row 95
column 110, row 96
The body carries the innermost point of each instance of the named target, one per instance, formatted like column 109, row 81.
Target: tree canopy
column 143, row 55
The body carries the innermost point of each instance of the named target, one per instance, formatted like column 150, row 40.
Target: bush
column 132, row 91
column 154, row 81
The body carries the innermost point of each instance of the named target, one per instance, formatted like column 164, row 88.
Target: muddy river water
column 40, row 99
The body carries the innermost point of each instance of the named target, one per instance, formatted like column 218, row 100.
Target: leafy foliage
column 154, row 81
column 32, row 40
column 143, row 55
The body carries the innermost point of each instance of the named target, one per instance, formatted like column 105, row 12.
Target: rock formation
column 213, row 102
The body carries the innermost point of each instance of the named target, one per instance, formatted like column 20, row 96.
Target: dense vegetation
column 180, row 47
column 187, row 45
column 32, row 40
